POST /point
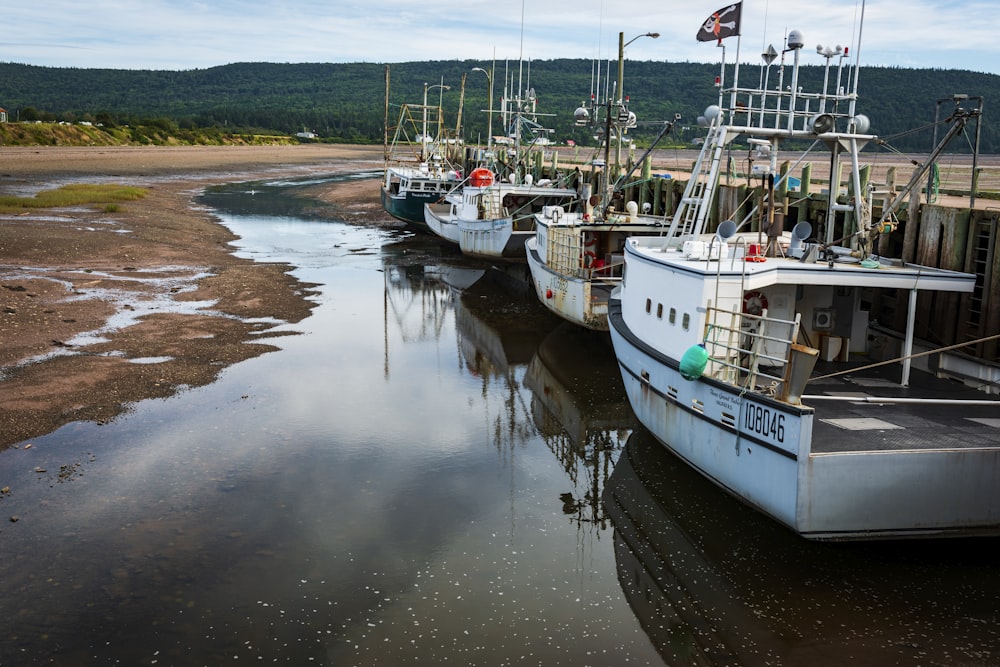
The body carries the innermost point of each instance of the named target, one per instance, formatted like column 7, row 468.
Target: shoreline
column 88, row 296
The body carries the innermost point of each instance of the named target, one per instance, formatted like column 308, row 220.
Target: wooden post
column 806, row 186
column 644, row 188
column 911, row 231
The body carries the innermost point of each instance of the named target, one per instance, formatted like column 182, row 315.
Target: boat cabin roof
column 840, row 269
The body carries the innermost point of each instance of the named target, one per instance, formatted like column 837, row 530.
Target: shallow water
column 426, row 475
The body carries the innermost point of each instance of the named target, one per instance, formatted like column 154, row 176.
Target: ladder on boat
column 700, row 191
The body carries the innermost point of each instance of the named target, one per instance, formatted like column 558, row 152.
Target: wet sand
column 67, row 274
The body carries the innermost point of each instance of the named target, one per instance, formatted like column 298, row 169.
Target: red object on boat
column 481, row 177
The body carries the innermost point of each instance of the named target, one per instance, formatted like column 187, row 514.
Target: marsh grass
column 76, row 194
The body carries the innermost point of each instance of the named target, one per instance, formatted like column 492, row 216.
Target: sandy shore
column 87, row 295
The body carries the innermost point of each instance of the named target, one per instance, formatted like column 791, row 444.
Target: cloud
column 187, row 34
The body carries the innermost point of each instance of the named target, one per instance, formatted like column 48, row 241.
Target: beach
column 89, row 295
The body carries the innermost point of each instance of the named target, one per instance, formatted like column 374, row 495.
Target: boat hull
column 760, row 451
column 408, row 207
column 438, row 218
column 571, row 298
column 492, row 240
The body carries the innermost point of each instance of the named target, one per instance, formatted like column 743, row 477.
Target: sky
column 198, row 34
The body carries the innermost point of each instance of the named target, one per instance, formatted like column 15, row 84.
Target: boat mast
column 385, row 121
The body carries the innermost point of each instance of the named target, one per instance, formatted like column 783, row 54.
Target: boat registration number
column 764, row 421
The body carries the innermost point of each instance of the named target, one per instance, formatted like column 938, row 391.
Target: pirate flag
column 721, row 24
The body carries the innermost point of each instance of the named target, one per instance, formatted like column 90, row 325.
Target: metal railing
column 746, row 350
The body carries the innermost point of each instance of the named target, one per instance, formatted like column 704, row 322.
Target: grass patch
column 76, row 194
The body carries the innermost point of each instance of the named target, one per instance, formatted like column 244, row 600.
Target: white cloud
column 172, row 34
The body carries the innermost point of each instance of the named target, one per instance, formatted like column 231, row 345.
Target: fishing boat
column 491, row 219
column 749, row 354
column 406, row 189
column 491, row 214
column 417, row 168
column 575, row 257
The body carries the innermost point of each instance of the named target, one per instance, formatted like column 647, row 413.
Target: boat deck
column 867, row 425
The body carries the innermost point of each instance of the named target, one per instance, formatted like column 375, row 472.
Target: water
column 427, row 474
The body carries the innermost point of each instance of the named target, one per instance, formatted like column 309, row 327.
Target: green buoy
column 694, row 361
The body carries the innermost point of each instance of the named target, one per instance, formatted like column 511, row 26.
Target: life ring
column 589, row 257
column 754, row 302
column 480, row 177
column 590, row 239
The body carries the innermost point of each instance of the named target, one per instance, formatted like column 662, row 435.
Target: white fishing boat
column 491, row 219
column 491, row 214
column 719, row 338
column 575, row 257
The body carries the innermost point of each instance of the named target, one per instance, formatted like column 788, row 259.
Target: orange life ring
column 754, row 302
column 480, row 177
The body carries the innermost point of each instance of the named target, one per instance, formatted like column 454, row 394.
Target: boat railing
column 749, row 350
column 790, row 111
column 492, row 204
column 566, row 252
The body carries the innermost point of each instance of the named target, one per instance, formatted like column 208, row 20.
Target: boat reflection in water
column 575, row 402
column 581, row 412
column 714, row 583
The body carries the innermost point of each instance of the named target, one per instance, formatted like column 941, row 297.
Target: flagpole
column 722, row 73
column 736, row 74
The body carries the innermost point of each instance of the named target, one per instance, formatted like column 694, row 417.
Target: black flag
column 721, row 24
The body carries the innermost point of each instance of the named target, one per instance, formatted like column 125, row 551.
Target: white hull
column 491, row 239
column 438, row 219
column 569, row 297
column 854, row 495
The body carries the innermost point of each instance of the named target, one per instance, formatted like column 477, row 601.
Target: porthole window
column 649, row 306
column 659, row 311
column 673, row 316
column 686, row 322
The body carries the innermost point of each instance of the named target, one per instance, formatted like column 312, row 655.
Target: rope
column 912, row 356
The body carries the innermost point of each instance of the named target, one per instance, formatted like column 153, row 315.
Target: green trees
column 345, row 102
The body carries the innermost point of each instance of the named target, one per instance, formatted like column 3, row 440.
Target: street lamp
column 423, row 139
column 489, row 132
column 621, row 83
column 621, row 57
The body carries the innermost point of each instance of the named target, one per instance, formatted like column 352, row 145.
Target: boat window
column 673, row 316
column 659, row 311
column 649, row 305
column 686, row 322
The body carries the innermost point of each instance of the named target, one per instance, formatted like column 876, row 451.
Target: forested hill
column 345, row 102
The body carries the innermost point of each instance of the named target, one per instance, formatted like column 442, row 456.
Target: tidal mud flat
column 88, row 294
